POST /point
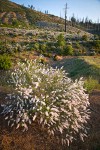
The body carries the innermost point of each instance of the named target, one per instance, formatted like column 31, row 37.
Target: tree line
column 85, row 23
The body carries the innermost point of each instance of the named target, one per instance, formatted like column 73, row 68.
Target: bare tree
column 65, row 15
column 98, row 25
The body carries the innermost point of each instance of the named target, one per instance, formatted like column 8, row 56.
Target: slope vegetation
column 19, row 15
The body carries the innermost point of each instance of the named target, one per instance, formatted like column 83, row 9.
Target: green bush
column 68, row 50
column 43, row 47
column 36, row 46
column 96, row 45
column 47, row 54
column 5, row 62
column 77, row 45
column 60, row 40
column 15, row 23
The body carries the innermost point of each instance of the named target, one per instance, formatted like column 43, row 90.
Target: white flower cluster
column 48, row 96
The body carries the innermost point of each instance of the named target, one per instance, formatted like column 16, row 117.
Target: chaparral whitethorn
column 47, row 95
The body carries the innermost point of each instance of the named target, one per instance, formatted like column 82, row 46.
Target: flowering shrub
column 5, row 62
column 48, row 96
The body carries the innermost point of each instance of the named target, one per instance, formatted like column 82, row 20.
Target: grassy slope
column 87, row 67
column 31, row 15
column 81, row 66
column 95, row 61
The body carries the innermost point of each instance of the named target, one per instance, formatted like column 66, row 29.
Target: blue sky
column 80, row 8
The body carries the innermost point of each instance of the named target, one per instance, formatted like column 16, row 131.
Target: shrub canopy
column 48, row 96
column 5, row 62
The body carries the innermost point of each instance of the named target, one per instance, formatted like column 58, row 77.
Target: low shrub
column 60, row 40
column 42, row 47
column 5, row 62
column 84, row 37
column 36, row 46
column 48, row 96
column 96, row 46
column 68, row 50
column 77, row 45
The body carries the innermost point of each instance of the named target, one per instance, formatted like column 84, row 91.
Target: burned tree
column 66, row 16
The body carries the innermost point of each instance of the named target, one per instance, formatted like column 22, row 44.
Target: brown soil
column 37, row 139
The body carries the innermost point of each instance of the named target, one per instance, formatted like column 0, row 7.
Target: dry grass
column 93, row 60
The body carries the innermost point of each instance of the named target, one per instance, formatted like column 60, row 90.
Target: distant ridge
column 13, row 14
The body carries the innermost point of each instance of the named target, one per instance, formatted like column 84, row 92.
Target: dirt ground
column 37, row 139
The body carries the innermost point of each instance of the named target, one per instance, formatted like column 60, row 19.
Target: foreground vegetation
column 92, row 142
column 46, row 101
column 48, row 96
column 23, row 114
column 87, row 67
column 43, row 100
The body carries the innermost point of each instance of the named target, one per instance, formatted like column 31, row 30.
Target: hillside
column 19, row 16
column 12, row 14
